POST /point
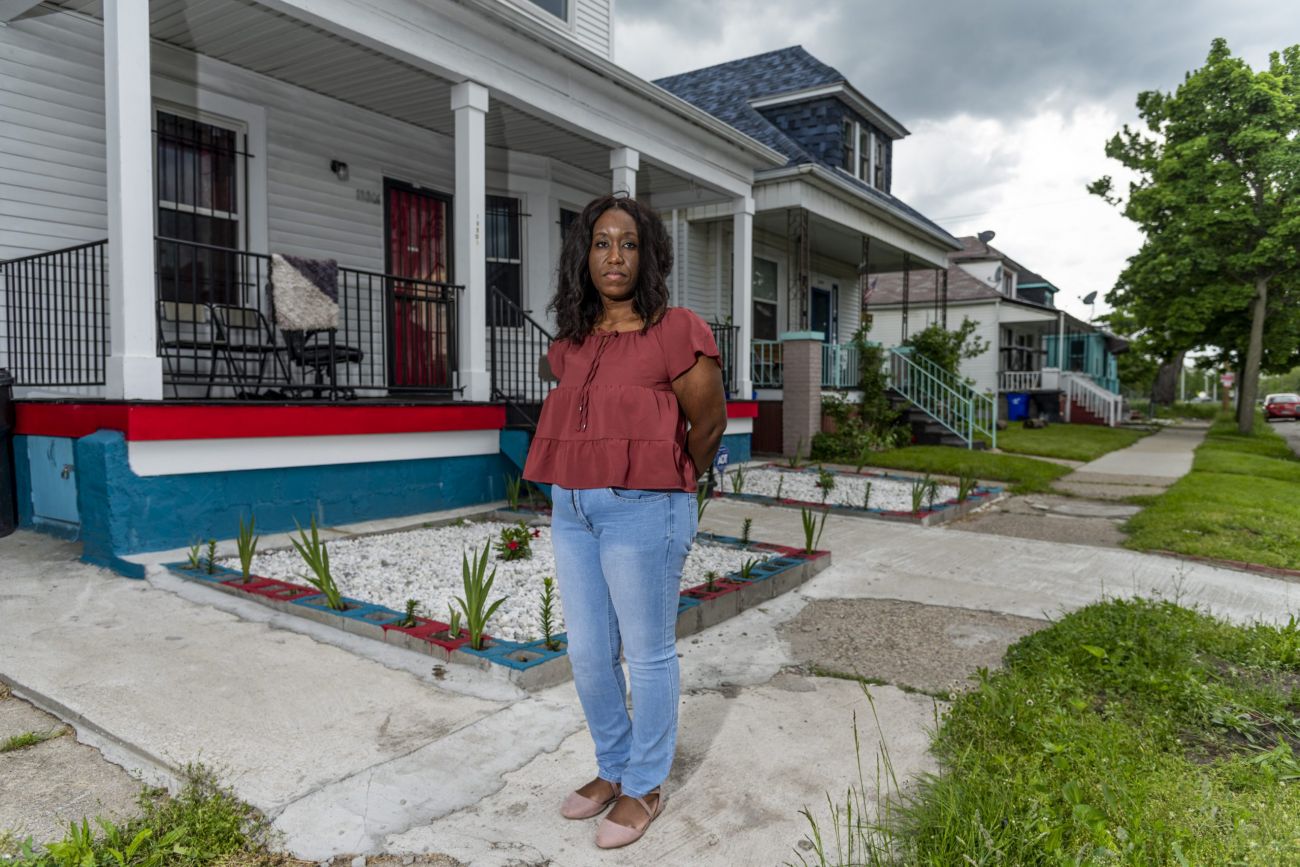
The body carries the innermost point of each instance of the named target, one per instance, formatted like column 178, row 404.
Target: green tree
column 1217, row 197
column 947, row 348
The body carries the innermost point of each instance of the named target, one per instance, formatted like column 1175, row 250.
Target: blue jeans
column 618, row 559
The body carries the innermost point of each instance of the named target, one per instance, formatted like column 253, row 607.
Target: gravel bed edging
column 942, row 513
column 528, row 665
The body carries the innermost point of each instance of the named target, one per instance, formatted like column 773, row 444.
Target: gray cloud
column 996, row 58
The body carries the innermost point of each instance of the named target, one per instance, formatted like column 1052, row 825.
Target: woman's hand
column 703, row 401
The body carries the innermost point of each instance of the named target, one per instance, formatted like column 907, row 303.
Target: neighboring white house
column 824, row 222
column 1030, row 339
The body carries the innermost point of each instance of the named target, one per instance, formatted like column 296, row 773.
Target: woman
column 613, row 443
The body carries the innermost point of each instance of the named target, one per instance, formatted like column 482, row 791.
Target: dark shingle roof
column 725, row 91
column 921, row 287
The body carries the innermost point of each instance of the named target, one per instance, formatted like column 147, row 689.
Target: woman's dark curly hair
column 577, row 304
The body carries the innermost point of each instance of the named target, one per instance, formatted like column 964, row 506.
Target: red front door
column 420, row 309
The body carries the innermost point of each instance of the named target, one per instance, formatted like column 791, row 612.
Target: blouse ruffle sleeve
column 555, row 358
column 686, row 338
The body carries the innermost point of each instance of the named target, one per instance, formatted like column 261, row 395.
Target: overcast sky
column 1009, row 103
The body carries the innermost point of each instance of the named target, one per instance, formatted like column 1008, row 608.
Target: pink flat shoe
column 577, row 806
column 611, row 835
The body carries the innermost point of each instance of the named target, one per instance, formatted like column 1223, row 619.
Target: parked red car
column 1281, row 406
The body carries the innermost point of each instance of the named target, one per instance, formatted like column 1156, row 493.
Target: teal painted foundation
column 122, row 513
column 738, row 447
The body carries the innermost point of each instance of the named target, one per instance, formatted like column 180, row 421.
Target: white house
column 154, row 156
column 1034, row 347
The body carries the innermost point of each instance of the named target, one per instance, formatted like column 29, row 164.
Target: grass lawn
column 1022, row 475
column 1076, row 442
column 1129, row 732
column 1240, row 502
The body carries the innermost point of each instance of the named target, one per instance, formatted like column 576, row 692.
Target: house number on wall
column 370, row 197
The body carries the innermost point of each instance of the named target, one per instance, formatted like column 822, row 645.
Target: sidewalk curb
column 145, row 766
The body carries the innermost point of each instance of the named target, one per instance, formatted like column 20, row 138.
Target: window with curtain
column 765, row 299
column 198, row 186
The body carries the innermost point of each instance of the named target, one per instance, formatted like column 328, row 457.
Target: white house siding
column 594, row 25
column 52, row 158
column 887, row 325
column 706, row 269
column 52, row 174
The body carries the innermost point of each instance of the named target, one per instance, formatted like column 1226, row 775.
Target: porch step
column 1079, row 415
column 926, row 430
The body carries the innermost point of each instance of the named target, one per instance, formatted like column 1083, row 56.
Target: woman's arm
column 699, row 391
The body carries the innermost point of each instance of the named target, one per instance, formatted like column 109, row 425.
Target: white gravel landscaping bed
column 425, row 564
column 888, row 494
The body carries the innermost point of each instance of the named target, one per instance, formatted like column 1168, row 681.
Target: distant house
column 1031, row 341
column 824, row 222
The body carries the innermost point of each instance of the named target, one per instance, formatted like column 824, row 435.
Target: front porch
column 442, row 196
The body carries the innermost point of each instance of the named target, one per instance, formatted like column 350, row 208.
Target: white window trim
column 169, row 95
column 567, row 25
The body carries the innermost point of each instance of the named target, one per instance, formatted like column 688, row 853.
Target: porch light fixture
column 340, row 169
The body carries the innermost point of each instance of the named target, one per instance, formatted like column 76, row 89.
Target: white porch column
column 469, row 102
column 624, row 163
column 134, row 370
column 742, row 292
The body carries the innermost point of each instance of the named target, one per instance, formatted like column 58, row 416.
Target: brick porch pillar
column 801, row 413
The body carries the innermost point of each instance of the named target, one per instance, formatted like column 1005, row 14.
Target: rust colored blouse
column 613, row 420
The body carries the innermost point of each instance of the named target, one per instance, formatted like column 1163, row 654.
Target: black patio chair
column 323, row 359
column 245, row 334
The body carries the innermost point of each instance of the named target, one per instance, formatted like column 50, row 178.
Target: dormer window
column 864, row 155
column 878, row 170
column 846, row 142
column 558, row 8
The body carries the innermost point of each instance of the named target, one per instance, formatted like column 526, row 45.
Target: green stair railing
column 943, row 396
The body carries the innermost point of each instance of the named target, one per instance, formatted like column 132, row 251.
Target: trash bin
column 1017, row 406
column 8, row 484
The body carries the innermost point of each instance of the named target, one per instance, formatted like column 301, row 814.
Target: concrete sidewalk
column 1149, row 466
column 355, row 746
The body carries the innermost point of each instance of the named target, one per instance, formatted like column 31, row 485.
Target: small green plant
column 966, row 483
column 701, row 502
column 747, row 569
column 864, row 458
column 196, row 558
column 812, row 529
column 247, row 546
column 312, row 550
column 710, row 580
column 547, row 614
column 780, row 484
column 866, row 496
column 408, row 620
column 825, row 481
column 738, row 481
column 514, row 486
column 210, row 561
column 29, row 739
column 797, row 458
column 919, row 487
column 515, row 543
column 746, row 526
column 478, row 586
column 453, row 622
column 931, row 491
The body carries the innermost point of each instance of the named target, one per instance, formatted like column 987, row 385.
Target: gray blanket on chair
column 306, row 293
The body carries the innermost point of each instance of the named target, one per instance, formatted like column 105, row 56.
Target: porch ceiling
column 834, row 241
column 253, row 37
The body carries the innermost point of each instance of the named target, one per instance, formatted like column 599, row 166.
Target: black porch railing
column 217, row 330
column 516, row 346
column 725, row 336
column 216, row 327
column 54, row 316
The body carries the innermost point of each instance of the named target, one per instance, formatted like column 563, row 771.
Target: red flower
column 537, row 534
column 512, row 545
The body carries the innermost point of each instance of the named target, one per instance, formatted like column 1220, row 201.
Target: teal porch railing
column 943, row 396
column 840, row 365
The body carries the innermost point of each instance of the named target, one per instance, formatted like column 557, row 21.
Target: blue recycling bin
column 1017, row 406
